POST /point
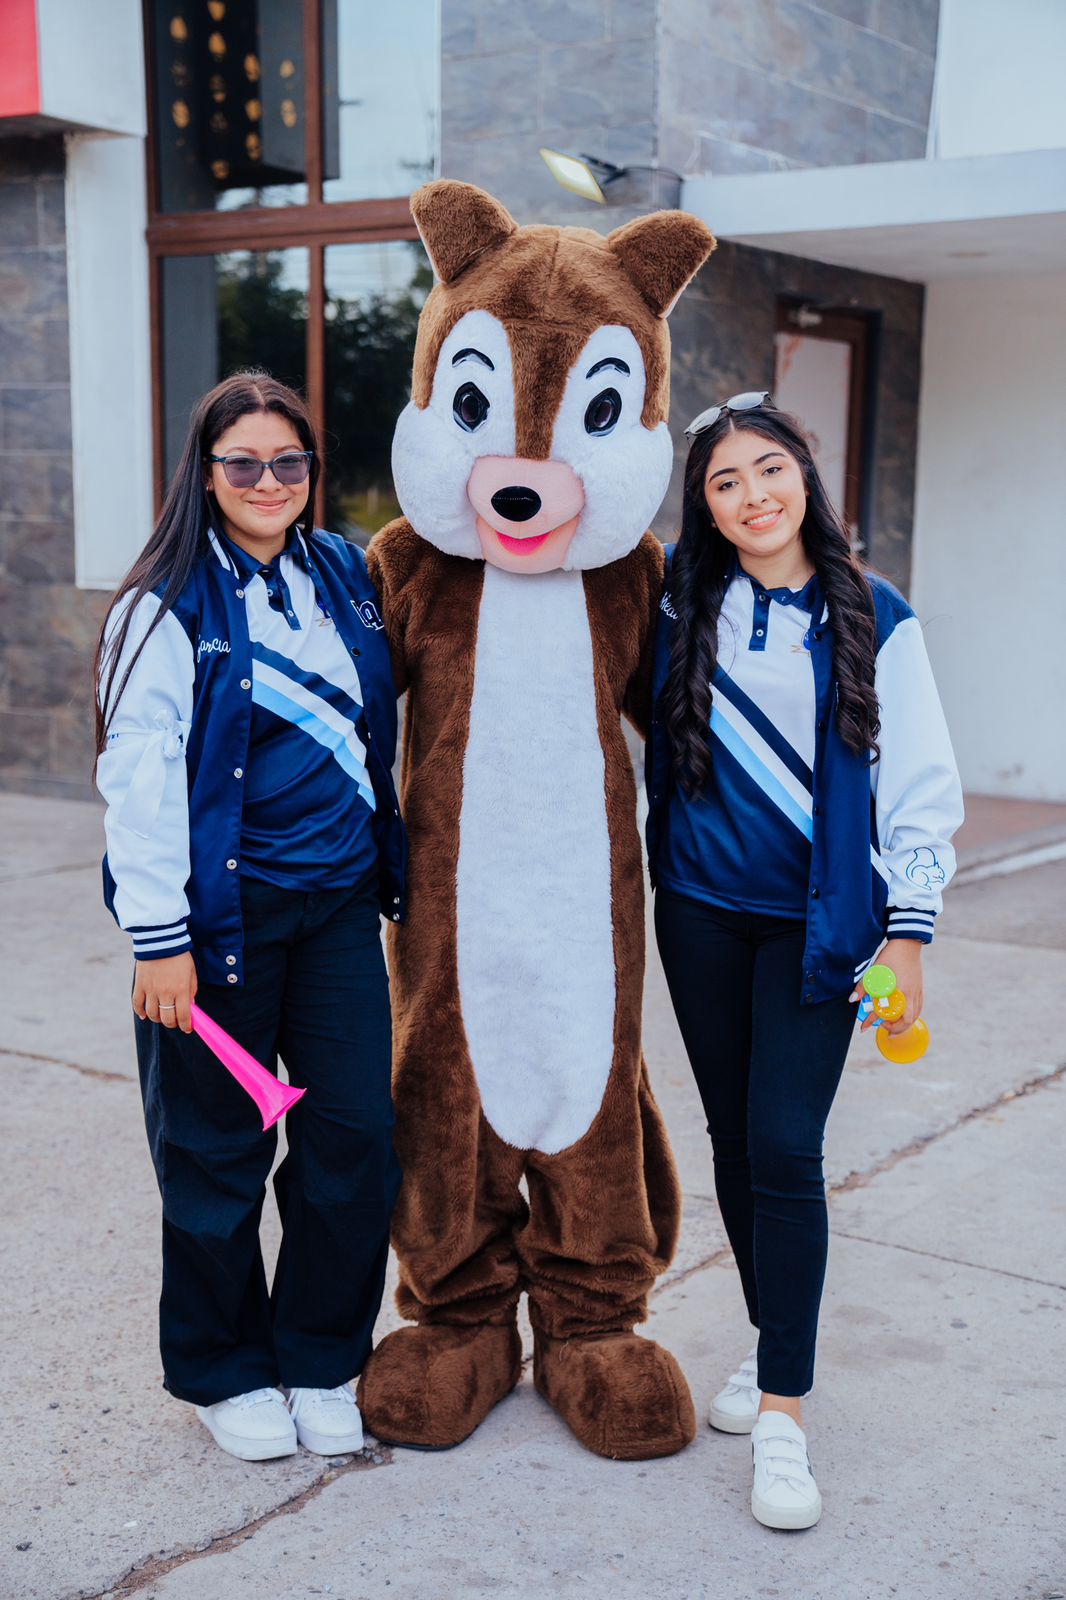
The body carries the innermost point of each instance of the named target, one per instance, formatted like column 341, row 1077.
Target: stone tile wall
column 762, row 85
column 47, row 626
column 576, row 74
column 733, row 86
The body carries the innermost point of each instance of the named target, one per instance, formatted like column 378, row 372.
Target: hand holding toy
column 272, row 1097
column 883, row 1002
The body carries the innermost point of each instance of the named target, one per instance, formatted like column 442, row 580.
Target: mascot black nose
column 516, row 503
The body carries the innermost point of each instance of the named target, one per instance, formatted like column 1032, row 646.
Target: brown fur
column 597, row 1229
column 463, row 222
column 431, row 1388
column 429, row 602
column 602, row 1215
column 622, row 1395
column 552, row 287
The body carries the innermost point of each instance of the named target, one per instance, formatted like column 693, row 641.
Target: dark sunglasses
column 244, row 472
column 740, row 402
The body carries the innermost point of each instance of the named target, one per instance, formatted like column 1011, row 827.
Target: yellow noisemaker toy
column 885, row 1003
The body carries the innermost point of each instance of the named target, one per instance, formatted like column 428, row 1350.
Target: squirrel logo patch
column 924, row 869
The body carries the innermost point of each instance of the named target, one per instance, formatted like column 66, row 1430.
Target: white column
column 989, row 562
column 110, row 354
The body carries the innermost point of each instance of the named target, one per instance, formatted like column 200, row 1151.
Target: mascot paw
column 428, row 1387
column 623, row 1396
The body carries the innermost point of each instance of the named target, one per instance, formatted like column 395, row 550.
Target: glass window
column 242, row 309
column 380, row 75
column 228, row 94
column 374, row 293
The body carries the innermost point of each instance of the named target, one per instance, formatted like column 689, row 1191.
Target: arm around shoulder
column 649, row 569
column 391, row 558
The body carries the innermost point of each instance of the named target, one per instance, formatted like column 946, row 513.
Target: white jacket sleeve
column 917, row 793
column 141, row 774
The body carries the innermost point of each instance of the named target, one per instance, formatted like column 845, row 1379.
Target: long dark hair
column 700, row 574
column 180, row 538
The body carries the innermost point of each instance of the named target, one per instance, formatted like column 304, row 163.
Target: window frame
column 313, row 226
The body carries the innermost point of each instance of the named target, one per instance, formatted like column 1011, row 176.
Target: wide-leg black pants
column 315, row 994
column 767, row 1069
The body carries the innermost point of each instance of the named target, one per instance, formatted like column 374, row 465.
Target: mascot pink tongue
column 519, row 592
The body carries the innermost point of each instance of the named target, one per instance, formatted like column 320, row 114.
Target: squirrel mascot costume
column 519, row 593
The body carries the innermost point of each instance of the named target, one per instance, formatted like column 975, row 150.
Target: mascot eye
column 469, row 408
column 603, row 412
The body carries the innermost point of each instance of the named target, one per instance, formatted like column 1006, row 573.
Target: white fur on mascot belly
column 535, row 933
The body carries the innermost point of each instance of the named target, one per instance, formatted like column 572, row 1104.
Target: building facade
column 188, row 186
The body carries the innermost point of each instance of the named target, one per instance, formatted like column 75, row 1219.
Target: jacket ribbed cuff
column 904, row 923
column 155, row 944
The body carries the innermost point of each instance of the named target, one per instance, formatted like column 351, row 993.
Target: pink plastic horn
column 272, row 1098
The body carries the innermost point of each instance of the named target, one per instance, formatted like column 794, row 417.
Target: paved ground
column 937, row 1426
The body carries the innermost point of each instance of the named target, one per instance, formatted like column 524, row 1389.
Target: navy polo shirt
column 306, row 818
column 745, row 841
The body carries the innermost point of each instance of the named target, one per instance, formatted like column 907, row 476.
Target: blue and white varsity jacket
column 879, row 832
column 177, row 750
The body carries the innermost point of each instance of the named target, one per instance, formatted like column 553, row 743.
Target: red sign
column 20, row 77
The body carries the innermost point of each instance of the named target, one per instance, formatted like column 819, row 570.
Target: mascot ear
column 662, row 252
column 457, row 221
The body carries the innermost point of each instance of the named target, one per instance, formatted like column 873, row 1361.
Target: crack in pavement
column 153, row 1568
column 954, row 1261
column 860, row 1180
column 74, row 1066
column 46, row 872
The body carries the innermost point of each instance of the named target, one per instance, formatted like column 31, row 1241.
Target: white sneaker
column 735, row 1408
column 253, row 1426
column 327, row 1420
column 784, row 1494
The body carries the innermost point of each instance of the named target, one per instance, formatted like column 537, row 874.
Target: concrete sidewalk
column 936, row 1429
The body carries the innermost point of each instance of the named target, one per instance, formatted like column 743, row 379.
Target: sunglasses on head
column 739, row 402
column 244, row 472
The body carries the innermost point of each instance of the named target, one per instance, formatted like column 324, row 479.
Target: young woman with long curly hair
column 802, row 796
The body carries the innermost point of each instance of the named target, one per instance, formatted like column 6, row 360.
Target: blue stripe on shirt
column 759, row 773
column 722, row 683
column 334, row 739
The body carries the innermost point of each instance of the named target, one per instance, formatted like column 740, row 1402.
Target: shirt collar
column 805, row 599
column 247, row 566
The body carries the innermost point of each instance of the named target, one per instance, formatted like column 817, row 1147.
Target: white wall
column 999, row 78
column 110, row 373
column 92, row 63
column 989, row 571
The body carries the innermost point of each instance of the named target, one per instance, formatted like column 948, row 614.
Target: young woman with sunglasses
column 246, row 727
column 802, row 796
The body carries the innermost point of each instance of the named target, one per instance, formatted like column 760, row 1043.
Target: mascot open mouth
column 522, row 547
column 526, row 552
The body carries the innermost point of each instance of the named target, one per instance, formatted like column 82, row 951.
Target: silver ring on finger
column 167, row 1008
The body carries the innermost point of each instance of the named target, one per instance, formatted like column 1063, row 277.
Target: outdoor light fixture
column 588, row 176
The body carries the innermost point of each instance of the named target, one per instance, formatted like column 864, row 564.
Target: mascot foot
column 428, row 1387
column 623, row 1396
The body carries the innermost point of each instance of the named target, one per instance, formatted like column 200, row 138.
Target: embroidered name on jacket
column 207, row 647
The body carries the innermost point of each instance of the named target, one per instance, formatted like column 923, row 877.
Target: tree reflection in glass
column 374, row 293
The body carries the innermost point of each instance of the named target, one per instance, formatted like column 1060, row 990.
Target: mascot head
column 536, row 435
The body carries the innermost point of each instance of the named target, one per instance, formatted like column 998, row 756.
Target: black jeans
column 767, row 1069
column 315, row 993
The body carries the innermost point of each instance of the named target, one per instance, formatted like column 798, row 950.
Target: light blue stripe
column 760, row 773
column 320, row 731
